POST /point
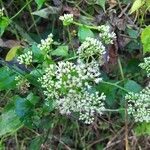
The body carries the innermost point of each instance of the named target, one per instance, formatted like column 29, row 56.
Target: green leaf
column 132, row 86
column 148, row 3
column 2, row 146
column 132, row 33
column 40, row 3
column 38, row 56
column 20, row 106
column 44, row 13
column 25, row 110
column 24, row 105
column 136, row 5
column 12, row 53
column 101, row 3
column 142, row 129
column 61, row 51
column 4, row 22
column 145, row 37
column 36, row 143
column 9, row 123
column 110, row 92
column 22, row 33
column 7, row 79
column 126, row 1
column 83, row 33
column 33, row 99
column 48, row 106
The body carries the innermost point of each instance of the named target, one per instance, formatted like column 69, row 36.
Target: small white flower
column 1, row 12
column 67, row 19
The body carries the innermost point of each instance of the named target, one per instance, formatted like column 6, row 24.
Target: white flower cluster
column 146, row 65
column 22, row 83
column 67, row 84
column 45, row 45
column 1, row 12
column 106, row 36
column 87, row 105
column 139, row 105
column 26, row 58
column 67, row 19
column 91, row 47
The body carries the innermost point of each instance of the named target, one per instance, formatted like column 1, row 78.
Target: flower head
column 25, row 58
column 91, row 47
column 84, row 103
column 67, row 19
column 45, row 45
column 22, row 84
column 146, row 65
column 139, row 105
column 68, row 83
column 106, row 36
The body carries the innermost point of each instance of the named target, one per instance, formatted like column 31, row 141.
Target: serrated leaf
column 40, row 3
column 83, row 33
column 132, row 86
column 9, row 122
column 101, row 3
column 44, row 13
column 145, row 37
column 136, row 5
column 12, row 53
column 61, row 51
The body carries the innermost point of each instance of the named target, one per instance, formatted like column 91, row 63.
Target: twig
column 97, row 141
column 116, row 142
column 66, row 146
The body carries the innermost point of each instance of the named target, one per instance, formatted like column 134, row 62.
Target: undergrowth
column 74, row 74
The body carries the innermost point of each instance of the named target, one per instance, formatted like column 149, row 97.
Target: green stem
column 20, row 10
column 32, row 17
column 121, row 69
column 16, row 139
column 86, row 26
column 126, row 107
column 36, row 69
column 70, row 40
column 114, row 84
column 111, row 110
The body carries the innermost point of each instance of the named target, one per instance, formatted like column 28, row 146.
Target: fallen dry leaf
column 71, row 10
column 112, row 3
column 10, row 43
